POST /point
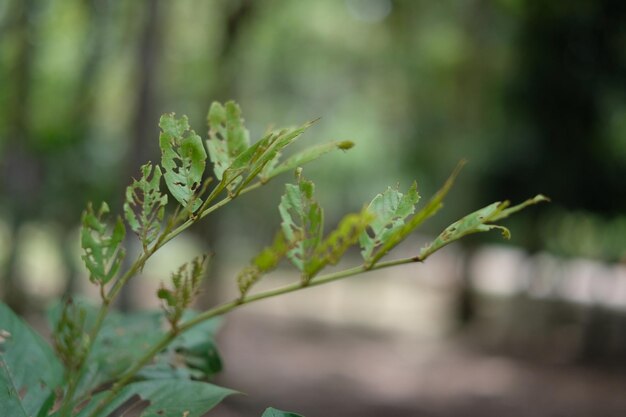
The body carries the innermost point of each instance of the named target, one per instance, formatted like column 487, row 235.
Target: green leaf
column 29, row 370
column 431, row 208
column 264, row 262
column 339, row 241
column 390, row 209
column 478, row 221
column 145, row 205
column 228, row 137
column 253, row 160
column 304, row 157
column 124, row 338
column 273, row 412
column 165, row 397
column 302, row 224
column 183, row 159
column 102, row 253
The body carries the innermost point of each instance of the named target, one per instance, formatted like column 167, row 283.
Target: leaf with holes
column 272, row 168
column 145, row 205
column 29, row 370
column 431, row 208
column 339, row 241
column 273, row 412
column 264, row 262
column 476, row 222
column 183, row 159
column 102, row 253
column 185, row 288
column 302, row 224
column 228, row 137
column 160, row 398
column 389, row 209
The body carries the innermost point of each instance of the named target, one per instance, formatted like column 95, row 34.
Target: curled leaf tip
column 345, row 145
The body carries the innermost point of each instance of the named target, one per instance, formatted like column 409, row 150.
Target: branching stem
column 109, row 298
column 232, row 305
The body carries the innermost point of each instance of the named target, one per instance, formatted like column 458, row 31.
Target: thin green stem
column 232, row 305
column 121, row 282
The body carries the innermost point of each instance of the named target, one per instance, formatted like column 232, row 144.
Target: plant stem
column 119, row 284
column 232, row 305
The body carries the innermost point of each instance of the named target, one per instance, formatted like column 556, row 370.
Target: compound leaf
column 303, row 221
column 478, row 221
column 390, row 209
column 145, row 205
column 102, row 253
column 183, row 159
column 29, row 370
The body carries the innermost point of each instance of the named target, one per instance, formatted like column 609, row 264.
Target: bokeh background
column 532, row 93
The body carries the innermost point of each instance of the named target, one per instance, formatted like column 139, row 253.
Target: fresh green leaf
column 390, row 209
column 102, row 253
column 183, row 159
column 165, row 397
column 302, row 224
column 29, row 370
column 145, row 205
column 273, row 412
column 264, row 262
column 478, row 221
column 253, row 160
column 431, row 208
column 308, row 155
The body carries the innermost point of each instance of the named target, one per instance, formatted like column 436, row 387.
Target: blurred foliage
column 532, row 93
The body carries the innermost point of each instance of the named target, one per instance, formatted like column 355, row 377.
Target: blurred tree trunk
column 236, row 17
column 97, row 17
column 21, row 169
column 145, row 121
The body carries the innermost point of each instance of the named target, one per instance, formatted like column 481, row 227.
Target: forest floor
column 320, row 370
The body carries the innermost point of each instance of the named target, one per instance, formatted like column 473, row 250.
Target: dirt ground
column 320, row 370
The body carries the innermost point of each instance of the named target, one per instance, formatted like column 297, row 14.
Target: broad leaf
column 273, row 169
column 29, row 370
column 164, row 397
column 228, row 137
column 273, row 412
column 183, row 159
column 102, row 253
column 145, row 205
column 431, row 208
column 390, row 209
column 478, row 221
column 264, row 262
column 302, row 224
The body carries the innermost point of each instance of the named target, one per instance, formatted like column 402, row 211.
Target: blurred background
column 532, row 93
